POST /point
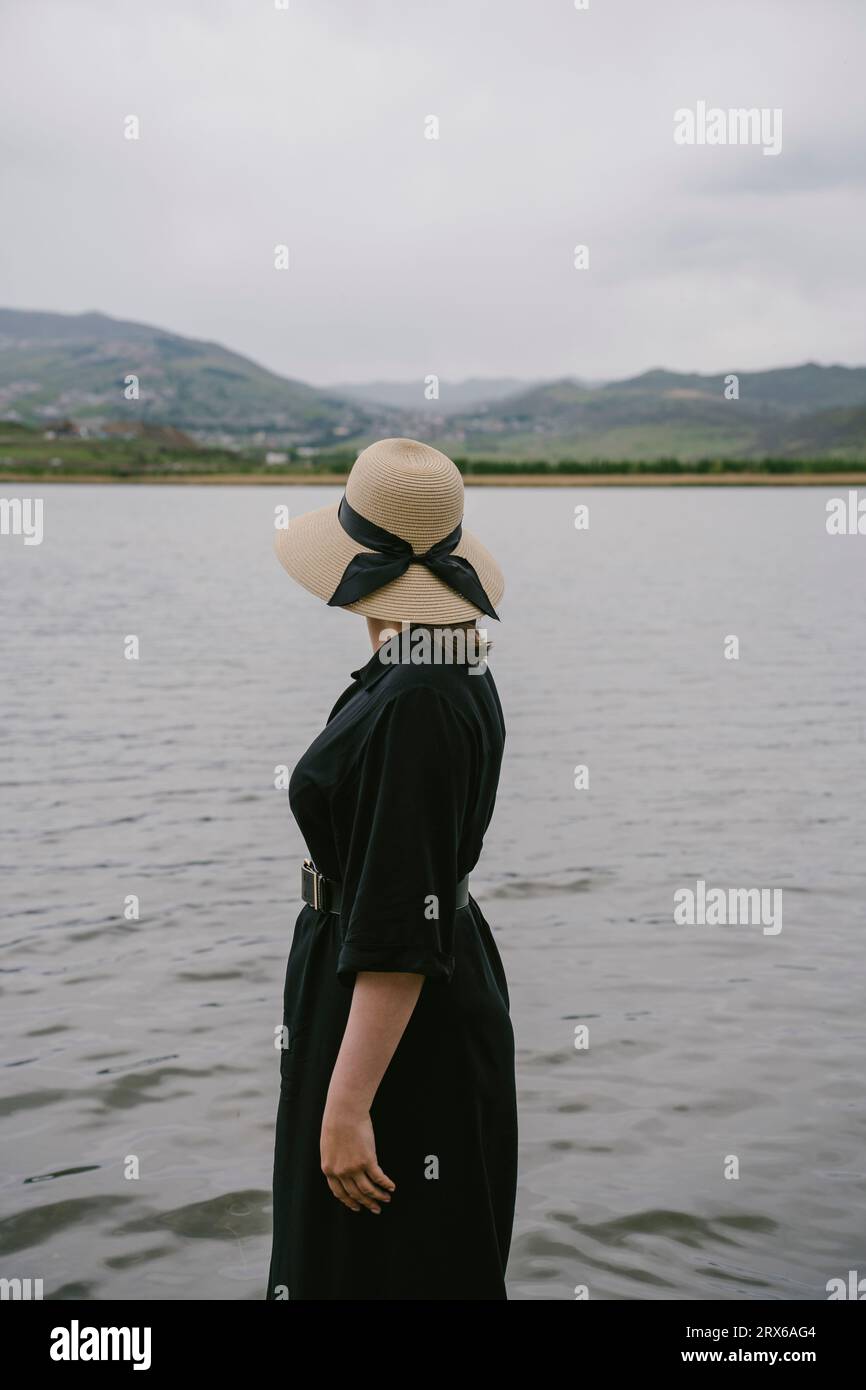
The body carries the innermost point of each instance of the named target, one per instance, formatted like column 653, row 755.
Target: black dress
column 393, row 799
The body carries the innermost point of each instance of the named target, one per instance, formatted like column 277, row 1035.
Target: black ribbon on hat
column 391, row 556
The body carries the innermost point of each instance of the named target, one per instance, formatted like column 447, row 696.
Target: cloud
column 454, row 256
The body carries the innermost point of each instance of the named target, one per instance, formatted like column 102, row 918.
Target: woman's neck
column 380, row 631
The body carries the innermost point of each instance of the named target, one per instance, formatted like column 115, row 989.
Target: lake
column 708, row 1142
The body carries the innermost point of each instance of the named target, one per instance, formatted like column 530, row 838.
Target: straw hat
column 414, row 492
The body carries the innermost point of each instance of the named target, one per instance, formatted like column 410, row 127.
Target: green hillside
column 790, row 412
column 59, row 365
column 62, row 367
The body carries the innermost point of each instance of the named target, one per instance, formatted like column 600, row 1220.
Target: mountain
column 62, row 367
column 59, row 365
column 471, row 394
column 794, row 390
column 787, row 411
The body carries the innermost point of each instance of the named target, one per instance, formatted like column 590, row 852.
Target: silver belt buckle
column 310, row 878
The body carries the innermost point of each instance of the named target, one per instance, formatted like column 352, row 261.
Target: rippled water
column 154, row 1038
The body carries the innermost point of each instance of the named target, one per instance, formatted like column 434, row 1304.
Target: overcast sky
column 454, row 256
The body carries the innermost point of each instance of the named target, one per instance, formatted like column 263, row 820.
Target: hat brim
column 315, row 550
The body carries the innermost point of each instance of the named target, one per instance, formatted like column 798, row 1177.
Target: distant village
column 173, row 438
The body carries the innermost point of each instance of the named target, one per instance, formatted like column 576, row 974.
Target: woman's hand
column 382, row 1004
column 348, row 1151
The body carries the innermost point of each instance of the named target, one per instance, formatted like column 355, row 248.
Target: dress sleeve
column 400, row 880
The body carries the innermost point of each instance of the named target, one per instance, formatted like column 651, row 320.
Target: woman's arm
column 382, row 1004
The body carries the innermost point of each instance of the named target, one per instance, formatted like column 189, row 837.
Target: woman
column 395, row 1161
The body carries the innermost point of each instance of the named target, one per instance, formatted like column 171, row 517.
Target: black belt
column 325, row 894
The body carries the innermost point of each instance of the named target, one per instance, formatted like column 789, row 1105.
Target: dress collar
column 373, row 670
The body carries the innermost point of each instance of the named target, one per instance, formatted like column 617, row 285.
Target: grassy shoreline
column 510, row 479
column 28, row 456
